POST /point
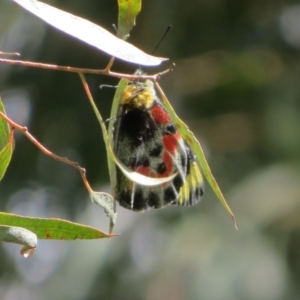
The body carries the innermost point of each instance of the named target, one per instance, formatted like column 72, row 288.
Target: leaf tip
column 113, row 235
column 27, row 251
column 234, row 220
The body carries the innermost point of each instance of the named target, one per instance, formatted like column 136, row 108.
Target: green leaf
column 20, row 236
column 5, row 157
column 128, row 10
column 54, row 229
column 196, row 147
column 89, row 33
column 6, row 143
column 4, row 129
column 114, row 110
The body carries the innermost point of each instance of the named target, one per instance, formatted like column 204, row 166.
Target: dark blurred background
column 236, row 84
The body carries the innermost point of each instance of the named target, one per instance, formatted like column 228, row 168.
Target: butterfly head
column 138, row 95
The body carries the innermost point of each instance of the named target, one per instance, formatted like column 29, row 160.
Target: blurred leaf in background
column 236, row 84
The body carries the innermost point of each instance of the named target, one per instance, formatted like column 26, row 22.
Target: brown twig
column 109, row 65
column 105, row 71
column 10, row 53
column 45, row 150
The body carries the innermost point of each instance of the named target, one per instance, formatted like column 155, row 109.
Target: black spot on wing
column 190, row 158
column 178, row 182
column 139, row 202
column 137, row 125
column 196, row 194
column 156, row 151
column 169, row 129
column 161, row 168
column 201, row 192
column 169, row 194
column 192, row 199
column 153, row 200
column 190, row 154
column 124, row 198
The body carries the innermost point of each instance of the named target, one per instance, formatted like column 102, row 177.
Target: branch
column 105, row 71
column 24, row 130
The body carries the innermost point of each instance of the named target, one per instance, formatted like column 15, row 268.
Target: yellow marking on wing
column 198, row 174
column 184, row 192
column 192, row 182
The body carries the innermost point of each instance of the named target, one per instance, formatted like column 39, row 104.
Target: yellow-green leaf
column 54, row 229
column 196, row 147
column 4, row 129
column 128, row 11
column 6, row 143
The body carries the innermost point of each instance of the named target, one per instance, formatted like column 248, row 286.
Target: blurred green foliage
column 236, row 84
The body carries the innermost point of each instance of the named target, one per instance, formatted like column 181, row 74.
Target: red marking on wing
column 160, row 115
column 169, row 165
column 142, row 170
column 171, row 142
column 145, row 171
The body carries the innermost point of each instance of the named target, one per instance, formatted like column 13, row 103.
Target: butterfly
column 146, row 140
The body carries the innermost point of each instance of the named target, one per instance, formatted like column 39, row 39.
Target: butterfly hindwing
column 147, row 141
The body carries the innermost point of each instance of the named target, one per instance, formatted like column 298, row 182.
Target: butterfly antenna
column 116, row 117
column 101, row 86
column 162, row 38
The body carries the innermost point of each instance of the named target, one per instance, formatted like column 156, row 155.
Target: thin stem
column 110, row 63
column 104, row 131
column 105, row 71
column 25, row 131
column 90, row 97
column 10, row 53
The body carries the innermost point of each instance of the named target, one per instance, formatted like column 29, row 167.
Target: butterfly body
column 147, row 141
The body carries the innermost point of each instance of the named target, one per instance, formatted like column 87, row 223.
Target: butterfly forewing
column 147, row 141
